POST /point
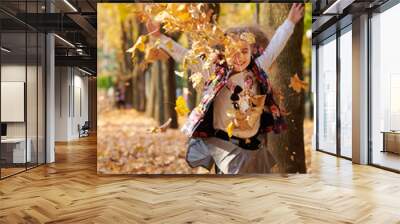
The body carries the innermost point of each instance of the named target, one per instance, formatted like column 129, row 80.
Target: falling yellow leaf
column 162, row 128
column 230, row 113
column 157, row 43
column 140, row 45
column 180, row 74
column 181, row 107
column 184, row 16
column 207, row 65
column 297, row 84
column 248, row 37
column 181, row 7
column 165, row 126
column 212, row 76
column 153, row 130
column 162, row 16
column 130, row 50
column 229, row 129
column 197, row 80
column 153, row 54
column 170, row 45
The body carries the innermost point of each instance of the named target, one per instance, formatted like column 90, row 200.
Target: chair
column 84, row 130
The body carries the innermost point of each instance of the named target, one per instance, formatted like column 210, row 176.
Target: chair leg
column 217, row 170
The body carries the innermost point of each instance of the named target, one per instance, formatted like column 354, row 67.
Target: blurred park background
column 133, row 99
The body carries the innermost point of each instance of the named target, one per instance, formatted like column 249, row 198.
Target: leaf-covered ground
column 125, row 145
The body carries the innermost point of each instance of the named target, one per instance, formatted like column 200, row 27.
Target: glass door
column 326, row 94
column 385, row 89
column 345, row 59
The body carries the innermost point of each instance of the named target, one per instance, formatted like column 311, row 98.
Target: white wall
column 62, row 81
column 12, row 73
column 71, row 94
column 33, row 127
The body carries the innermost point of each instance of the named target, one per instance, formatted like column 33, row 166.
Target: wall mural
column 198, row 88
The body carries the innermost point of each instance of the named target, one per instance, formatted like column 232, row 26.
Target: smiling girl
column 237, row 106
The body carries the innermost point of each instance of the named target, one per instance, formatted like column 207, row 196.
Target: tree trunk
column 171, row 92
column 192, row 98
column 160, row 102
column 127, row 61
column 139, row 77
column 141, row 85
column 151, row 100
column 288, row 146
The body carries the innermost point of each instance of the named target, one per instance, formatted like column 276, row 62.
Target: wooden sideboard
column 391, row 141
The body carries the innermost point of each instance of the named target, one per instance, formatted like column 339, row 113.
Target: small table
column 391, row 141
column 17, row 150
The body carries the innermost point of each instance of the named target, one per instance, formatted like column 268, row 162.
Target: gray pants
column 228, row 157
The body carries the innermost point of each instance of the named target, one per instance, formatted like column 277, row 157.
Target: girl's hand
column 296, row 12
column 153, row 27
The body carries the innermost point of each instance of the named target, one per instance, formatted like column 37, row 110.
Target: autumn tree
column 288, row 146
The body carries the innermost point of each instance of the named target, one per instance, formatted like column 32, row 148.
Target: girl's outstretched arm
column 281, row 36
column 173, row 48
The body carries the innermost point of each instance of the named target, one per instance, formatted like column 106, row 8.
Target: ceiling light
column 331, row 7
column 64, row 40
column 337, row 7
column 5, row 50
column 84, row 71
column 70, row 5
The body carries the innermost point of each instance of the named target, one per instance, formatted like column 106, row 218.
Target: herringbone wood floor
column 70, row 191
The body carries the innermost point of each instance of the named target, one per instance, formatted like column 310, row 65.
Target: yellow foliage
column 180, row 74
column 297, row 84
column 197, row 80
column 229, row 129
column 170, row 45
column 195, row 21
column 153, row 54
column 140, row 45
column 248, row 37
column 181, row 107
column 162, row 128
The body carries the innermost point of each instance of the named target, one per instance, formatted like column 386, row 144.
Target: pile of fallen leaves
column 129, row 142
